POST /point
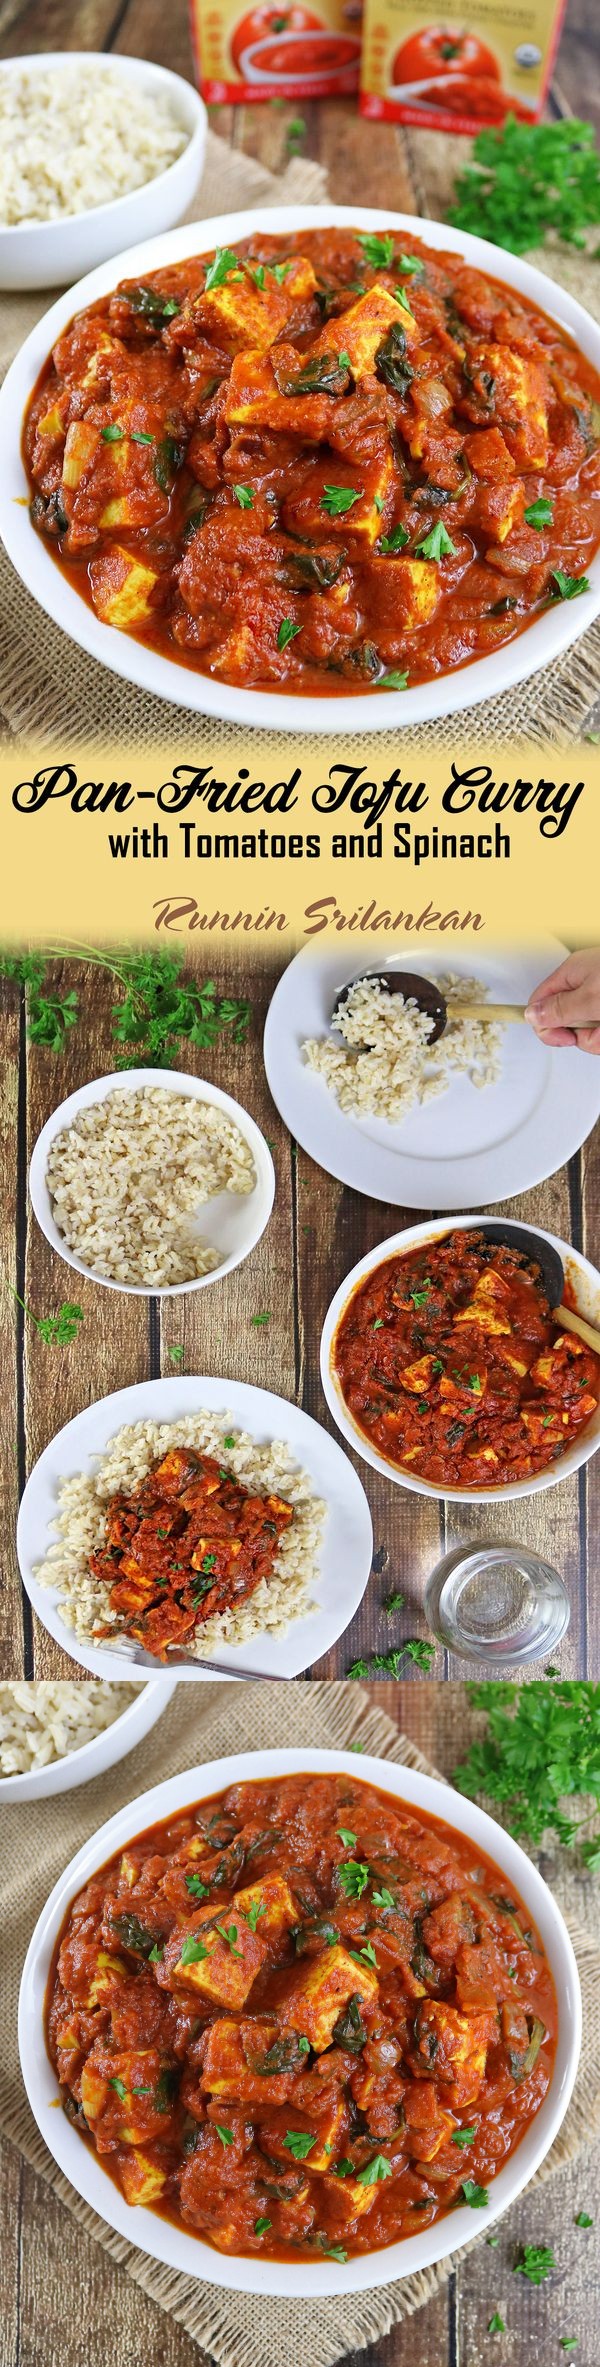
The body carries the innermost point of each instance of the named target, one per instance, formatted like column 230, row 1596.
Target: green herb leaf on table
column 535, row 2263
column 583, row 2219
column 541, row 1747
column 496, row 2324
column 528, row 180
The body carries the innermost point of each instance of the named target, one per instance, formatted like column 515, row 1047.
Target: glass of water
column 497, row 1603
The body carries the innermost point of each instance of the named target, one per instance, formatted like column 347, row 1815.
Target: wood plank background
column 317, row 1231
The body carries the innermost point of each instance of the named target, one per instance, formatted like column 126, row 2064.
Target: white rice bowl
column 81, row 1525
column 128, row 1175
column 386, row 1065
column 41, row 1723
column 74, row 138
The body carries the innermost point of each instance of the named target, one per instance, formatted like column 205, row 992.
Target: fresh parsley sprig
column 541, row 1747
column 157, row 1010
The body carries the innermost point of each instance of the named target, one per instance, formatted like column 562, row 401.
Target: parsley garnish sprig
column 541, row 1747
column 158, row 1008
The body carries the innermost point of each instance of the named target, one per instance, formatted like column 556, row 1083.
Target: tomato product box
column 461, row 73
column 266, row 53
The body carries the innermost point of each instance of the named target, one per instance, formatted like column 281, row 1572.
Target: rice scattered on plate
column 126, row 1178
column 384, row 1067
column 40, row 1723
column 77, row 138
column 286, row 1595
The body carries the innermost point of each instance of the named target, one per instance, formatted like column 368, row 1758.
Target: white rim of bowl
column 165, row 2241
column 541, row 642
column 196, row 1089
column 86, row 1751
column 400, row 1244
column 142, row 74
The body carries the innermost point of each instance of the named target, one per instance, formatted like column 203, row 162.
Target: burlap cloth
column 40, row 1837
column 47, row 686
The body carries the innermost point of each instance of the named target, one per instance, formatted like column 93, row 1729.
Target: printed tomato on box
column 452, row 74
column 268, row 52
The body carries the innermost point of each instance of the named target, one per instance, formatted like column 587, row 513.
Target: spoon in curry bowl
column 543, row 1254
column 426, row 993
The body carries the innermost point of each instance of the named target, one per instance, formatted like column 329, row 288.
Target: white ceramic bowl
column 103, row 1751
column 187, row 2254
column 540, row 645
column 232, row 1222
column 46, row 254
column 585, row 1283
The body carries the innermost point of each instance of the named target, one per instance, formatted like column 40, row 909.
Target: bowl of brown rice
column 153, row 1182
column 54, row 1736
column 95, row 152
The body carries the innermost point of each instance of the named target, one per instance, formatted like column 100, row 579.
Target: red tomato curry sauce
column 300, row 2019
column 326, row 463
column 450, row 1361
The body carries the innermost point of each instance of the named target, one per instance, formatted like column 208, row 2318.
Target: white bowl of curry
column 446, row 1370
column 379, row 2022
column 317, row 466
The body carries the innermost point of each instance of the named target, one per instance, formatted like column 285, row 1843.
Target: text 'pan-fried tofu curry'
column 452, row 1364
column 326, row 463
column 187, row 1544
column 301, row 2019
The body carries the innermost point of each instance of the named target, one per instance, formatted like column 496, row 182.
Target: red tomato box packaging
column 457, row 74
column 287, row 52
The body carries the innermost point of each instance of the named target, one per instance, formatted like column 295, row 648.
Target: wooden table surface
column 63, row 2303
column 317, row 1231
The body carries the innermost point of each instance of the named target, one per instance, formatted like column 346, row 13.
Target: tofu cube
column 352, row 2199
column 121, row 589
column 519, row 401
column 362, row 329
column 416, row 1377
column 253, row 397
column 239, row 314
column 94, row 2090
column 273, row 1900
column 317, row 1992
column 330, row 2128
column 233, row 2052
column 408, row 590
column 82, row 443
column 226, row 1968
column 108, row 1970
column 142, row 2180
column 456, row 2045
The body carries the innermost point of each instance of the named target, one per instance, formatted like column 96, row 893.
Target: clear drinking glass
column 497, row 1603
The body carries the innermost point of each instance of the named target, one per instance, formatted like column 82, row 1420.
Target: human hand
column 565, row 1008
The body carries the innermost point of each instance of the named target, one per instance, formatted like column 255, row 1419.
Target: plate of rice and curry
column 190, row 1520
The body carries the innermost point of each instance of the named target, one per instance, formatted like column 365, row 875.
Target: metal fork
column 216, row 1668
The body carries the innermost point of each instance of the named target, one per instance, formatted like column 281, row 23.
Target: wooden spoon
column 427, row 994
column 544, row 1255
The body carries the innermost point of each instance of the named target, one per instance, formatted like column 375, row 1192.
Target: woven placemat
column 41, row 1837
column 47, row 686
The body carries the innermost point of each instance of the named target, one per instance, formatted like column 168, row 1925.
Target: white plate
column 347, row 1544
column 103, row 1750
column 584, row 1283
column 187, row 2254
column 231, row 1221
column 539, row 645
column 470, row 1145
